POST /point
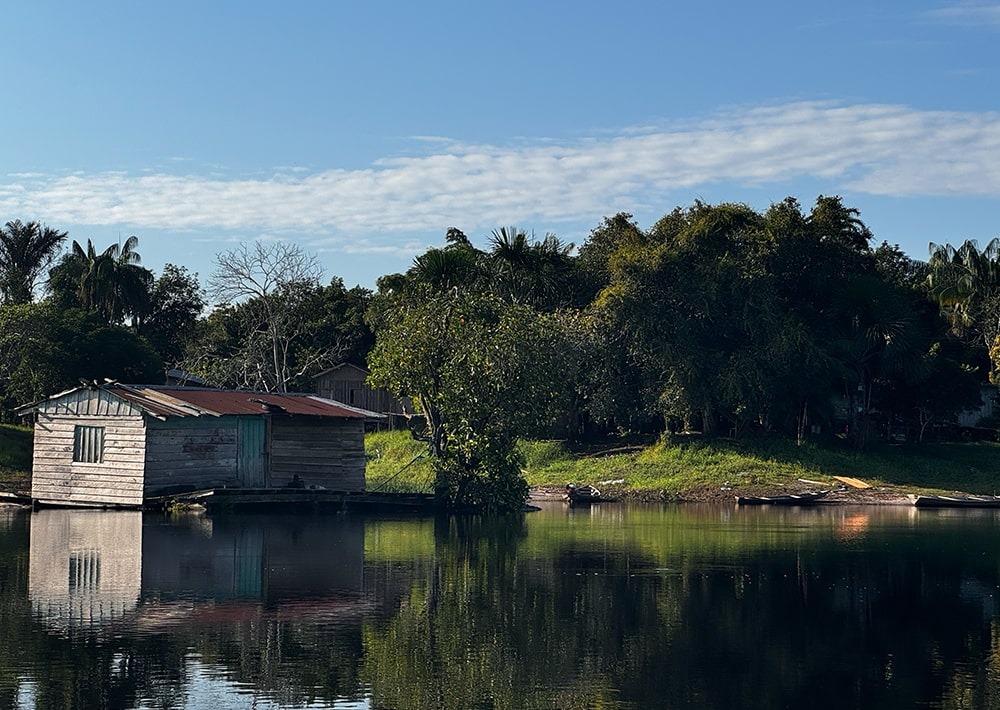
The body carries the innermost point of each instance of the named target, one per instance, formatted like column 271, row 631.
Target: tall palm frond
column 964, row 281
column 26, row 251
column 111, row 282
column 443, row 269
column 525, row 270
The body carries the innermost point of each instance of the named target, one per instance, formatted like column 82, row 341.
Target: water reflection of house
column 91, row 568
column 263, row 558
column 85, row 566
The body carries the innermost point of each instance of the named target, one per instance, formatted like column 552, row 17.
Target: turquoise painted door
column 251, row 462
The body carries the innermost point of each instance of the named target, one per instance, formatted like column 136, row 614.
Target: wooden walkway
column 275, row 498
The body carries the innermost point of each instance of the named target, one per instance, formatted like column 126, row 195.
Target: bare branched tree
column 261, row 270
column 271, row 285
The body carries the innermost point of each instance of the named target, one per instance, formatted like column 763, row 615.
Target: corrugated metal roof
column 196, row 401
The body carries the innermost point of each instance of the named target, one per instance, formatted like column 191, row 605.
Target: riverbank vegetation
column 695, row 467
column 686, row 467
column 763, row 345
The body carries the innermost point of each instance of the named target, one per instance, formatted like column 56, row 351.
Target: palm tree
column 93, row 273
column 130, row 293
column 112, row 282
column 444, row 269
column 26, row 250
column 878, row 339
column 966, row 283
column 529, row 271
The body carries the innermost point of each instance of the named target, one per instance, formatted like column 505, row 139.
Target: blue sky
column 362, row 131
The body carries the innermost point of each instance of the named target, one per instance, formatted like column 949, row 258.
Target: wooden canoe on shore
column 584, row 495
column 956, row 501
column 807, row 498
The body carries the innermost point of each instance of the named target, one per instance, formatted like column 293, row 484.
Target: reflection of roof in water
column 337, row 609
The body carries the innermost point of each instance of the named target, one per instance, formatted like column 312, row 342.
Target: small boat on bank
column 582, row 495
column 929, row 501
column 806, row 498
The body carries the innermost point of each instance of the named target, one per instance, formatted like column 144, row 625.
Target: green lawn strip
column 667, row 469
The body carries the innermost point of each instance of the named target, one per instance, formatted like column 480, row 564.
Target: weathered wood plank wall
column 323, row 452
column 144, row 456
column 95, row 403
column 197, row 452
column 347, row 385
column 58, row 480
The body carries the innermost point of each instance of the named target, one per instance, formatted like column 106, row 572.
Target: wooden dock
column 284, row 498
column 14, row 499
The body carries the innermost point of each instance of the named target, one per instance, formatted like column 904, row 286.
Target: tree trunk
column 707, row 420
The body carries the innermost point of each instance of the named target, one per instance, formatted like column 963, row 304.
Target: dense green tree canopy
column 483, row 372
column 717, row 318
column 176, row 301
column 45, row 349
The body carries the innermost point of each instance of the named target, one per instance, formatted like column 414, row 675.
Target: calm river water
column 611, row 607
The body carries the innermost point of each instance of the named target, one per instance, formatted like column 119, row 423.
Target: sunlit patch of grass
column 539, row 454
column 662, row 467
column 673, row 467
column 398, row 463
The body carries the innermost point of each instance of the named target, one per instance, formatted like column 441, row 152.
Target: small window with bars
column 84, row 571
column 88, row 444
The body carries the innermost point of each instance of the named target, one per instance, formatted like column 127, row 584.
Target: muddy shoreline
column 845, row 496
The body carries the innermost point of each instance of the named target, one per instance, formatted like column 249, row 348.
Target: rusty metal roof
column 169, row 401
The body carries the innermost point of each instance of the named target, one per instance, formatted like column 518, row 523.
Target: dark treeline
column 717, row 318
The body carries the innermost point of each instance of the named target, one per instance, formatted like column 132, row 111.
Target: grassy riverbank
column 684, row 468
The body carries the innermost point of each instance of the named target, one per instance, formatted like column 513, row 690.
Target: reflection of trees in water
column 15, row 616
column 808, row 630
column 481, row 619
column 481, row 627
column 897, row 626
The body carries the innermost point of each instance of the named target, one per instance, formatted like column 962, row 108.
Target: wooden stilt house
column 116, row 444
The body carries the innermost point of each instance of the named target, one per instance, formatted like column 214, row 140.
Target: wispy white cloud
column 876, row 149
column 974, row 14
